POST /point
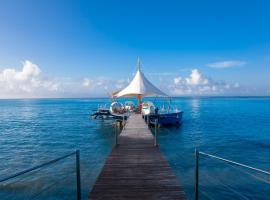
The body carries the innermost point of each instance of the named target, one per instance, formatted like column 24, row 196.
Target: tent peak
column 139, row 87
column 138, row 63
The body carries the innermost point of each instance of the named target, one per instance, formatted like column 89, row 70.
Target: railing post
column 123, row 121
column 115, row 133
column 196, row 191
column 78, row 174
column 156, row 121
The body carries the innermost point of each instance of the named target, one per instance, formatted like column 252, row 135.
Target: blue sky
column 60, row 48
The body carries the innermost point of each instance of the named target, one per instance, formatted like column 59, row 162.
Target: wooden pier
column 136, row 169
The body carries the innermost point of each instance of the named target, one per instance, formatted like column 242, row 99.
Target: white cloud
column 226, row 64
column 30, row 82
column 177, row 80
column 28, row 71
column 196, row 78
column 236, row 85
column 160, row 74
column 25, row 81
column 101, row 81
column 198, row 84
column 86, row 82
column 120, row 83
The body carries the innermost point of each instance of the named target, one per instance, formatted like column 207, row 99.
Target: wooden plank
column 136, row 169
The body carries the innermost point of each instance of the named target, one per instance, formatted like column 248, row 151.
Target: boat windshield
column 147, row 105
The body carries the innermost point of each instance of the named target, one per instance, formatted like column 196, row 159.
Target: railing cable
column 228, row 187
column 78, row 179
column 250, row 174
column 236, row 163
column 50, row 186
column 20, row 179
column 36, row 167
column 196, row 186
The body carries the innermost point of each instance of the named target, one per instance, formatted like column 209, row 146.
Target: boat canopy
column 139, row 87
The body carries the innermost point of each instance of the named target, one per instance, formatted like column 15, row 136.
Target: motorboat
column 148, row 108
column 116, row 111
column 167, row 118
column 117, row 108
column 129, row 106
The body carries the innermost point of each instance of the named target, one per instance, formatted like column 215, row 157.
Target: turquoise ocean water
column 35, row 131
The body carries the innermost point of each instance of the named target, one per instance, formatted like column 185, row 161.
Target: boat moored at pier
column 167, row 119
column 141, row 87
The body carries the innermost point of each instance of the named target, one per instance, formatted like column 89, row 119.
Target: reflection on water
column 224, row 127
column 195, row 108
column 35, row 131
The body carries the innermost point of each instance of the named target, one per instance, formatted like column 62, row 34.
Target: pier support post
column 123, row 122
column 156, row 122
column 196, row 190
column 115, row 134
column 78, row 175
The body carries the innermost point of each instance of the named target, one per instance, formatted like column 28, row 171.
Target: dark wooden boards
column 136, row 169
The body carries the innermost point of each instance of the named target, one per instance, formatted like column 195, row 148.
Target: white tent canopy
column 139, row 87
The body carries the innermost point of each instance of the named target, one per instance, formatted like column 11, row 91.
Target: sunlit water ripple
column 35, row 131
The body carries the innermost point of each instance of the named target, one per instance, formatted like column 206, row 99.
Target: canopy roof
column 139, row 86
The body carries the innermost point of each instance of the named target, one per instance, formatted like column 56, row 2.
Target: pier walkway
column 136, row 169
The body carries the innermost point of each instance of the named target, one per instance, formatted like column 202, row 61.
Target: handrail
column 155, row 138
column 115, row 134
column 117, row 131
column 197, row 153
column 77, row 153
column 147, row 121
column 36, row 167
column 236, row 163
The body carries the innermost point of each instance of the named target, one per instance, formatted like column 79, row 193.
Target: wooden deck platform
column 136, row 169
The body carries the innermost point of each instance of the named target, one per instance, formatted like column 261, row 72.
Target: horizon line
column 184, row 96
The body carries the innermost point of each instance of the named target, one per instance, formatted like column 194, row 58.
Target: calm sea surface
column 35, row 131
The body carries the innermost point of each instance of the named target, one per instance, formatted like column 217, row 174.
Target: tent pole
column 139, row 102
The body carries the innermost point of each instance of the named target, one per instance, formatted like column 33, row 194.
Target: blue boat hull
column 167, row 119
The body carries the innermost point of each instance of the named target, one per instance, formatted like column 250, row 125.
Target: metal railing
column 147, row 121
column 116, row 129
column 155, row 139
column 115, row 134
column 78, row 176
column 197, row 156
